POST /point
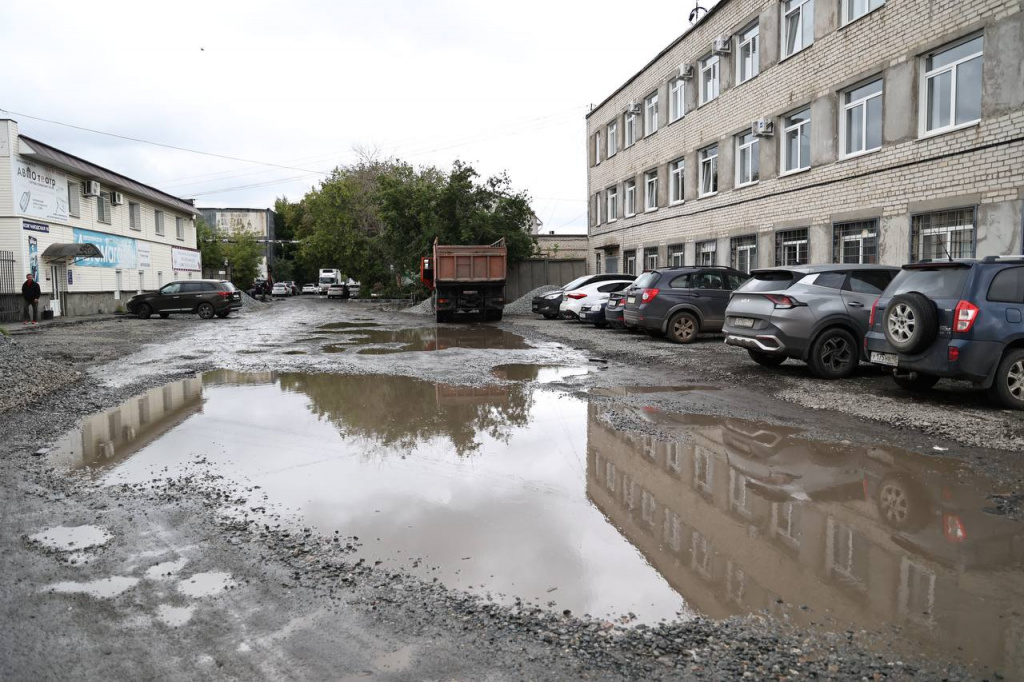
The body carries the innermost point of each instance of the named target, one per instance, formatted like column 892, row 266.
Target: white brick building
column 53, row 205
column 891, row 131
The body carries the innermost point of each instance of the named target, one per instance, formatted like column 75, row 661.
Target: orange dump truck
column 466, row 279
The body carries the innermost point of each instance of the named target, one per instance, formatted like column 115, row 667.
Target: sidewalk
column 18, row 328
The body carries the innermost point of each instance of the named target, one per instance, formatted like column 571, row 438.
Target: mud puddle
column 348, row 325
column 388, row 341
column 516, row 490
column 541, row 374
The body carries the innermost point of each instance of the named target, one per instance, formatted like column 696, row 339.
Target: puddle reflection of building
column 743, row 519
column 112, row 436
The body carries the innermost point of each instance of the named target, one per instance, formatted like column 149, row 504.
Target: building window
column 952, row 86
column 630, row 198
column 629, row 262
column 74, row 199
column 595, row 210
column 797, row 26
column 651, row 258
column 748, row 60
column 613, row 139
column 855, row 242
column 709, row 78
column 597, row 149
column 651, row 114
column 676, row 99
column 747, row 159
column 862, row 119
column 675, row 181
column 855, row 9
column 597, row 263
column 796, row 141
column 630, row 129
column 158, row 222
column 613, row 204
column 786, row 520
column 703, row 470
column 706, row 252
column 743, row 252
column 942, row 235
column 179, row 228
column 650, row 190
column 675, row 255
column 103, row 207
column 791, row 247
column 134, row 215
column 709, row 170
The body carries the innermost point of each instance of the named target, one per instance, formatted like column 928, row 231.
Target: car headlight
column 552, row 297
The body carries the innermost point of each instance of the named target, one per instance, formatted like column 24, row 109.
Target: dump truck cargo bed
column 469, row 264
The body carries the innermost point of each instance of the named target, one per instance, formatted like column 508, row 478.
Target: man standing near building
column 30, row 292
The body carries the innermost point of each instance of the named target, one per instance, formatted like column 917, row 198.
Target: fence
column 10, row 291
column 527, row 275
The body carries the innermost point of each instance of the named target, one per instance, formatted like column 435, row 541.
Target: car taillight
column 224, row 294
column 953, row 353
column 953, row 528
column 783, row 301
column 874, row 309
column 964, row 316
column 577, row 296
column 649, row 295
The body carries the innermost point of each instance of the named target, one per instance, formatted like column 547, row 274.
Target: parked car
column 353, row 288
column 281, row 289
column 681, row 302
column 336, row 291
column 613, row 310
column 815, row 313
column 547, row 304
column 294, row 288
column 961, row 319
column 310, row 289
column 203, row 297
column 598, row 292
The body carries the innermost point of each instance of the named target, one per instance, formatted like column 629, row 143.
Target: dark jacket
column 30, row 290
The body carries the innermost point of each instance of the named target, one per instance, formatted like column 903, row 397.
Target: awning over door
column 63, row 251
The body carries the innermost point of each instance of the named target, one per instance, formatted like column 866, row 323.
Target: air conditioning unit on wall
column 722, row 45
column 116, row 198
column 90, row 188
column 686, row 71
column 762, row 127
column 632, row 108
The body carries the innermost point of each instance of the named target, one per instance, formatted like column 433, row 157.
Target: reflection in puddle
column 348, row 325
column 72, row 538
column 101, row 589
column 165, row 570
column 294, row 352
column 334, row 348
column 622, row 391
column 174, row 616
column 437, row 338
column 541, row 374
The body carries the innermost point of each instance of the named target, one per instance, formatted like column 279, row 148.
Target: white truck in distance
column 327, row 278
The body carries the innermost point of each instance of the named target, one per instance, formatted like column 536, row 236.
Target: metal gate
column 10, row 292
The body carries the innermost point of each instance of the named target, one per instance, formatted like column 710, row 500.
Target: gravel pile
column 248, row 302
column 424, row 307
column 26, row 376
column 521, row 306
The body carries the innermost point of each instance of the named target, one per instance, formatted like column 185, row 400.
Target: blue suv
column 959, row 319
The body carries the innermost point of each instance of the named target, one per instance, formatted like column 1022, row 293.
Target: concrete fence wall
column 527, row 275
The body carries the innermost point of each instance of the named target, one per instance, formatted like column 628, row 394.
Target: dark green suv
column 203, row 297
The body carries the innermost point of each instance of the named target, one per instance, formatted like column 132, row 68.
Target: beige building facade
column 815, row 131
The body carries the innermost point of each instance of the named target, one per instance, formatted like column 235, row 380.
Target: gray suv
column 815, row 313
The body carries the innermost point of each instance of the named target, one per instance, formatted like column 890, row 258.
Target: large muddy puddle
column 519, row 490
column 416, row 339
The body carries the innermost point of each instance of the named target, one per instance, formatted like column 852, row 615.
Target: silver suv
column 815, row 313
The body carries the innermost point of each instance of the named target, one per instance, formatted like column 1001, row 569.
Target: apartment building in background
column 92, row 237
column 783, row 132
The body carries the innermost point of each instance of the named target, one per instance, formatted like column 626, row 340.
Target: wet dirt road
column 476, row 502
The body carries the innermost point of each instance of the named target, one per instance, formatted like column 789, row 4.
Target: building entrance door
column 59, row 292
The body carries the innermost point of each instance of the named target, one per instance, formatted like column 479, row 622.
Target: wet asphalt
column 150, row 539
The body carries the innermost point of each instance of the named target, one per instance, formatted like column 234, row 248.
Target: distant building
column 259, row 221
column 562, row 246
column 92, row 237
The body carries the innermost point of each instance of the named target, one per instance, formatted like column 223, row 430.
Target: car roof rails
column 1001, row 259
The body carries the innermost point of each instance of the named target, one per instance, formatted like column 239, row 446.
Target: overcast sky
column 504, row 86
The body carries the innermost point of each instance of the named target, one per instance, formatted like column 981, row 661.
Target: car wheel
column 164, row 316
column 224, row 313
column 834, row 354
column 915, row 381
column 766, row 359
column 144, row 311
column 683, row 328
column 205, row 311
column 1008, row 388
column 901, row 503
column 910, row 322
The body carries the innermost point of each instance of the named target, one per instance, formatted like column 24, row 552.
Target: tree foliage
column 244, row 254
column 210, row 247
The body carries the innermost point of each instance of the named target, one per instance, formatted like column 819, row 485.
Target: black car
column 681, row 302
column 547, row 304
column 961, row 319
column 593, row 313
column 204, row 297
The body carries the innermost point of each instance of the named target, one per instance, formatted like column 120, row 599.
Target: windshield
column 776, row 280
column 326, row 280
column 935, row 283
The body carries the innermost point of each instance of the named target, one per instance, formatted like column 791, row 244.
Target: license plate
column 888, row 359
column 631, row 299
column 743, row 322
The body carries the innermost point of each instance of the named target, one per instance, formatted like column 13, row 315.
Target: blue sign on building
column 118, row 252
column 35, row 227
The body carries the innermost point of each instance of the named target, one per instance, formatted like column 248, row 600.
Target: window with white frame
column 748, row 151
column 630, row 190
column 650, row 258
column 629, row 487
column 629, row 262
column 748, row 60
column 597, row 149
column 675, row 181
column 650, row 190
column 786, row 522
column 630, row 129
column 651, row 114
column 613, row 139
column 861, row 122
column 158, row 222
column 709, row 170
column 738, row 500
column 676, row 99
column 648, row 507
column 951, row 86
column 134, row 215
column 796, row 141
column 855, row 9
column 743, row 252
column 179, row 228
column 676, row 255
column 612, row 211
column 847, row 554
column 797, row 26
column 855, row 242
column 791, row 247
column 707, row 252
column 703, row 470
column 709, row 78
column 74, row 199
column 700, row 554
column 103, row 207
column 942, row 235
column 595, row 210
column 672, row 530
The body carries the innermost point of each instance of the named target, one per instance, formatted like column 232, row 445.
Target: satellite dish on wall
column 695, row 15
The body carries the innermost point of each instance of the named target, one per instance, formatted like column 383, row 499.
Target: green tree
column 210, row 247
column 244, row 254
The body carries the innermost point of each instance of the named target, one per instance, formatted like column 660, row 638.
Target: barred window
column 743, row 252
column 942, row 235
column 855, row 242
column 651, row 258
column 791, row 247
column 706, row 252
column 629, row 262
column 675, row 255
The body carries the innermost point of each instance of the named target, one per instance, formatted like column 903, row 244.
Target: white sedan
column 281, row 289
column 589, row 294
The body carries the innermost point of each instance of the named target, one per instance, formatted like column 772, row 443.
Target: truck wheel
column 443, row 316
column 495, row 315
